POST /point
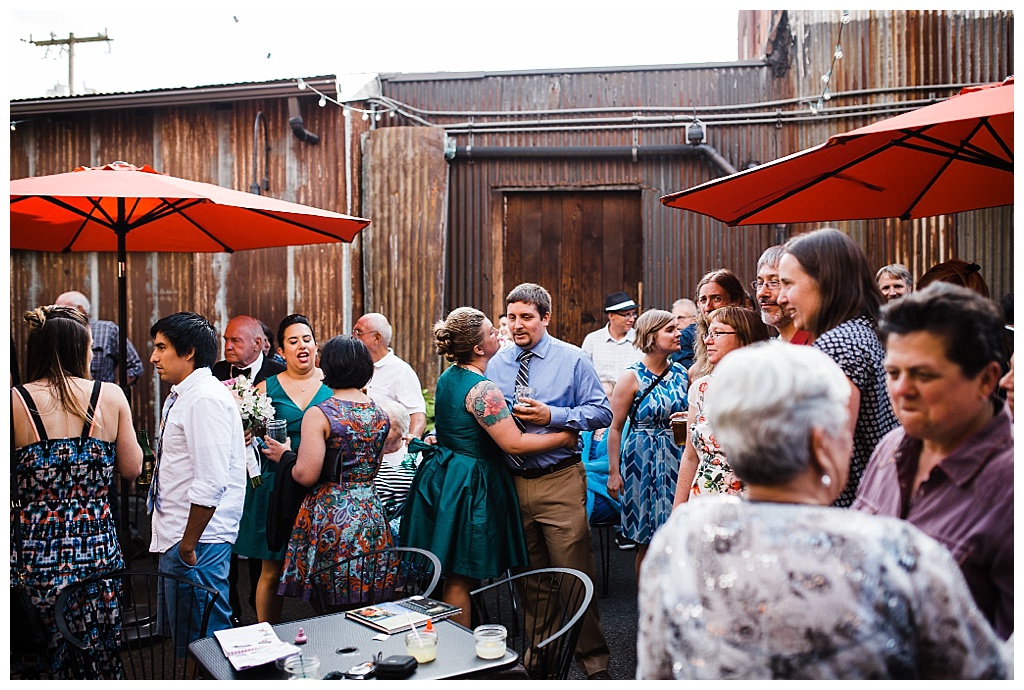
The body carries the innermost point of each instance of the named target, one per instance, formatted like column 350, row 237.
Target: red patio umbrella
column 952, row 156
column 119, row 207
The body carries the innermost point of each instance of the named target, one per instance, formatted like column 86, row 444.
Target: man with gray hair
column 106, row 350
column 766, row 291
column 393, row 378
column 894, row 281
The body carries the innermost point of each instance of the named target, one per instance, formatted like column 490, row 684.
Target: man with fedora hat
column 611, row 348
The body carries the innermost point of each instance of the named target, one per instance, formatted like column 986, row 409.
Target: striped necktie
column 151, row 496
column 522, row 379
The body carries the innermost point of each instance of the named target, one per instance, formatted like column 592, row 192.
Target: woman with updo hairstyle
column 462, row 505
column 649, row 394
column 957, row 272
column 70, row 434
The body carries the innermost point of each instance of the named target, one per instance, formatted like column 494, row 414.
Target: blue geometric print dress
column 649, row 460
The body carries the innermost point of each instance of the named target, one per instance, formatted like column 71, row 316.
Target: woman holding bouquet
column 341, row 516
column 291, row 392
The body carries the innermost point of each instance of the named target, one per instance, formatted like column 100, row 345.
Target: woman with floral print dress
column 341, row 516
column 704, row 468
column 462, row 505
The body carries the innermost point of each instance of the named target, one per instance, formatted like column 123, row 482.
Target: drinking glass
column 277, row 429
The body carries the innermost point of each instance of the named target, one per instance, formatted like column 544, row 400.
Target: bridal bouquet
column 256, row 410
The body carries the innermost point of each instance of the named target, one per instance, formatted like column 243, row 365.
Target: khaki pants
column 554, row 512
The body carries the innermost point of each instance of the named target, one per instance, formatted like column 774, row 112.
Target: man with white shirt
column 611, row 348
column 199, row 479
column 393, row 378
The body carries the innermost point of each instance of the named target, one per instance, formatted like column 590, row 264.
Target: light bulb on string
column 826, row 94
column 821, row 104
column 302, row 85
column 344, row 110
column 366, row 116
column 323, row 101
column 814, row 110
column 846, row 17
column 377, row 117
column 825, row 78
column 391, row 113
column 839, row 52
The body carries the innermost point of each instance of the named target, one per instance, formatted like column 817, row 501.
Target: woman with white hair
column 782, row 585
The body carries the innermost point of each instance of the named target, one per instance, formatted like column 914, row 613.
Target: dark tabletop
column 341, row 643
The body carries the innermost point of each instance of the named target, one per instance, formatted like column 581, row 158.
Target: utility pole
column 70, row 42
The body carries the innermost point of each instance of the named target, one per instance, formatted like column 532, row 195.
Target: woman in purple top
column 949, row 469
column 829, row 288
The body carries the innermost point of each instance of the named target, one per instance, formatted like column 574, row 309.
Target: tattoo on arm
column 489, row 404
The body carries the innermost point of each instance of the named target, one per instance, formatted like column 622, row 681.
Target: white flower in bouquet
column 256, row 409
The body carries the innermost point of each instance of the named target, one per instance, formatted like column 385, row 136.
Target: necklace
column 298, row 382
column 474, row 368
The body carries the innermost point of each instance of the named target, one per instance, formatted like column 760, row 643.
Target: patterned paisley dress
column 649, row 461
column 68, row 534
column 339, row 520
column 714, row 473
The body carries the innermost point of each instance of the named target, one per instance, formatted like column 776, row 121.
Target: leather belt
column 535, row 472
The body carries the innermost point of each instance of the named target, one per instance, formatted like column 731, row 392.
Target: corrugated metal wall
column 755, row 112
column 208, row 143
column 406, row 195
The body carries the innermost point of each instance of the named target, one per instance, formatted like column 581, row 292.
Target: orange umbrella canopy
column 90, row 208
column 952, row 156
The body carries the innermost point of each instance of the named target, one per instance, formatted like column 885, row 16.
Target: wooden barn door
column 581, row 246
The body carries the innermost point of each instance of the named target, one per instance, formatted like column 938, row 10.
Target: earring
column 826, row 480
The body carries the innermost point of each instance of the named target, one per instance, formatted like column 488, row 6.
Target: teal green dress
column 252, row 529
column 462, row 505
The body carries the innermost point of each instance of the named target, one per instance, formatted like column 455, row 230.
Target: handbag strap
column 636, row 403
column 16, row 505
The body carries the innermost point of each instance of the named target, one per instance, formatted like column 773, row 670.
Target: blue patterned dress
column 649, row 460
column 68, row 534
column 340, row 520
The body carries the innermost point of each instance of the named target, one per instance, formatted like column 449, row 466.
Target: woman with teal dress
column 643, row 467
column 291, row 392
column 462, row 505
column 341, row 515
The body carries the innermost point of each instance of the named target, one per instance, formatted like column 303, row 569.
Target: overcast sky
column 194, row 44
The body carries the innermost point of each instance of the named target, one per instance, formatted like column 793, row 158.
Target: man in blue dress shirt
column 552, row 486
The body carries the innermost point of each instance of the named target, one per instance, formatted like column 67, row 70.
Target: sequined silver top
column 733, row 588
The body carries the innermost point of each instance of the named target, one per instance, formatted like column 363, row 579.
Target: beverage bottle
column 145, row 477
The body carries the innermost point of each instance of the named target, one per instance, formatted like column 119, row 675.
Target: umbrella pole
column 122, row 368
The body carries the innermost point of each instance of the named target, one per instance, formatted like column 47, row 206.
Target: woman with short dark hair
column 829, row 287
column 949, row 468
column 341, row 516
column 781, row 585
column 70, row 434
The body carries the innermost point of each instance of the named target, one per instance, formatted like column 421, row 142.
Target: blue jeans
column 177, row 615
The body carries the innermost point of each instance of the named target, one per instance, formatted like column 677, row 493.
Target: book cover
column 392, row 616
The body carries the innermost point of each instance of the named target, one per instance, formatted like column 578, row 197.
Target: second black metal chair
column 373, row 577
column 109, row 624
column 542, row 610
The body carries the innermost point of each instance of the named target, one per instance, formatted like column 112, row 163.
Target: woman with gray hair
column 649, row 394
column 780, row 584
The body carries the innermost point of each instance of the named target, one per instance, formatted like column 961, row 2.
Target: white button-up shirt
column 393, row 379
column 611, row 357
column 202, row 462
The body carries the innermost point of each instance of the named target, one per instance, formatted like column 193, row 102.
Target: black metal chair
column 605, row 537
column 543, row 614
column 111, row 620
column 374, row 577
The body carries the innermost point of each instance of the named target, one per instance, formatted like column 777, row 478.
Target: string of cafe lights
column 346, row 108
column 826, row 79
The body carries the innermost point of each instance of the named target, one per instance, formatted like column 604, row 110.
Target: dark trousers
column 255, row 567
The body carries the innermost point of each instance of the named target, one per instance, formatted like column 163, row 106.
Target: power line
column 70, row 42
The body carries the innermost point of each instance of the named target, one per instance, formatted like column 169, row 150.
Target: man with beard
column 766, row 291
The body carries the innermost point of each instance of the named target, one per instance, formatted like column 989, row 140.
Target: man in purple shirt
column 949, row 469
column 552, row 486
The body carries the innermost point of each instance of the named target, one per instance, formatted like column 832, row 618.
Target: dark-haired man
column 199, row 480
column 552, row 486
